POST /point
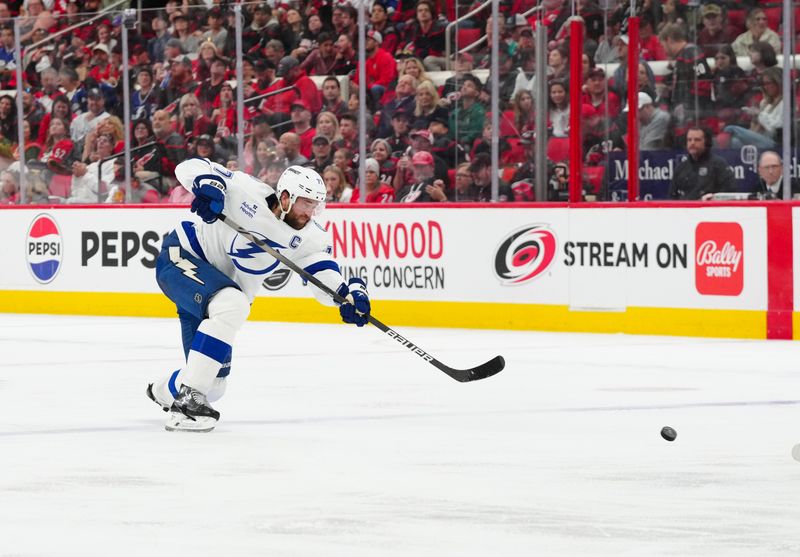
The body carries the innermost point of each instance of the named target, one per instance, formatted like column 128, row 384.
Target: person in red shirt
column 301, row 118
column 381, row 68
column 376, row 191
column 102, row 70
column 278, row 107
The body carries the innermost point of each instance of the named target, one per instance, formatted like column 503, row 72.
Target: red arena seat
column 465, row 37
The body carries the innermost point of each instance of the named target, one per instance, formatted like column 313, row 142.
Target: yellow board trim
column 472, row 315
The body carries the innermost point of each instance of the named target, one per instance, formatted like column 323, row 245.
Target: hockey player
column 212, row 274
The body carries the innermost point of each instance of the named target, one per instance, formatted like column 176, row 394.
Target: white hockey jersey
column 238, row 258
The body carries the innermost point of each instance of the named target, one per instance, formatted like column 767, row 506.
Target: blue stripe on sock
column 172, row 387
column 225, row 370
column 212, row 347
column 322, row 266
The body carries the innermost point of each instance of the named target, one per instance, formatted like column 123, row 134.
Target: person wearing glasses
column 770, row 177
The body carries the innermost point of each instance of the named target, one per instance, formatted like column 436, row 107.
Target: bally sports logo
column 43, row 249
column 719, row 258
column 525, row 254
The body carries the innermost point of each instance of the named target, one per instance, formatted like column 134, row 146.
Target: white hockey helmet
column 299, row 181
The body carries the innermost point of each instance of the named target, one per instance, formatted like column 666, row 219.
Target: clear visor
column 310, row 207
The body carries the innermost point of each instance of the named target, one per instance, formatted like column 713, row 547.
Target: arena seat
column 774, row 18
column 465, row 37
column 736, row 20
column 594, row 175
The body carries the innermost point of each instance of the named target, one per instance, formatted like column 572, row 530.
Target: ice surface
column 336, row 441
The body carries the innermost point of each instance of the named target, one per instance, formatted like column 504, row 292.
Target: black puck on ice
column 668, row 433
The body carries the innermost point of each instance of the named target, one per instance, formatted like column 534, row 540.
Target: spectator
column 757, row 30
column 715, row 32
column 208, row 92
column 463, row 64
column 178, row 83
column 173, row 50
column 321, row 60
column 101, row 69
column 301, row 120
column 443, row 147
column 173, row 145
column 375, row 190
column 380, row 67
column 147, row 155
column 508, row 81
column 654, row 125
column 464, row 188
column 344, row 21
column 62, row 109
column 32, row 147
column 328, row 125
column 180, row 30
column 205, row 148
column 689, row 84
column 604, row 101
column 770, row 177
column 526, row 74
column 762, row 56
column 381, row 151
column 466, row 118
column 223, row 117
column 336, row 185
column 290, row 147
column 558, row 63
column 379, row 21
column 483, row 144
column 343, row 160
column 619, row 80
column 345, row 55
column 767, row 118
column 398, row 140
column 89, row 120
column 559, row 108
column 403, row 102
column 264, row 155
column 216, row 30
column 201, row 67
column 481, row 170
column 348, row 129
column 57, row 155
column 251, row 35
column 265, row 75
column 422, row 140
column 278, row 106
column 427, row 109
column 730, row 87
column 332, row 97
column 111, row 126
column 144, row 100
column 157, row 43
column 192, row 123
column 322, row 157
column 414, row 67
column 9, row 190
column 702, row 173
column 651, row 47
column 48, row 89
column 424, row 187
column 424, row 37
column 85, row 187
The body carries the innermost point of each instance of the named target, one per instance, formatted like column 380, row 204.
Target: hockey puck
column 668, row 433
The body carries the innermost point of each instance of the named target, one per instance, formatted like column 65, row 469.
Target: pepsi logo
column 525, row 254
column 43, row 249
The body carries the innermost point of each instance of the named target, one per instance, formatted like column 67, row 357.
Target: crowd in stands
column 426, row 141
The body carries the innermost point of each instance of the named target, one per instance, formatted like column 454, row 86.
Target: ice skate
column 191, row 412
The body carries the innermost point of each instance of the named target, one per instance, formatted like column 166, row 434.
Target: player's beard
column 298, row 222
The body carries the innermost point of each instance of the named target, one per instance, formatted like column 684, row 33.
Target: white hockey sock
column 210, row 349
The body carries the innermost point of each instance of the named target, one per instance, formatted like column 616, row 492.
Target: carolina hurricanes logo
column 525, row 254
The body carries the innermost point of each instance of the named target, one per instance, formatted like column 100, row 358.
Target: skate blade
column 152, row 396
column 179, row 422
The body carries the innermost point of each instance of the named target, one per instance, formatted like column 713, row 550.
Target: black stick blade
column 492, row 367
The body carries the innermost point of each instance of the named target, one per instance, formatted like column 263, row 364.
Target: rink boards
column 721, row 270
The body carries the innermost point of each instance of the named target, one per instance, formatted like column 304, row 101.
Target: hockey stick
column 493, row 366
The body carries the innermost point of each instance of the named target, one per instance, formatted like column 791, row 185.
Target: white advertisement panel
column 586, row 258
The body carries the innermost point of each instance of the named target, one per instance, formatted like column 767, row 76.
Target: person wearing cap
column 101, row 70
column 424, row 187
column 265, row 75
column 95, row 113
column 468, row 114
column 301, row 122
column 179, row 82
column 375, row 191
column 251, row 35
column 654, row 125
column 422, row 140
column 321, row 155
column 398, row 139
column 689, row 84
column 595, row 93
column 173, row 50
column 702, row 173
column 619, row 80
column 715, row 32
column 321, row 60
column 205, row 148
column 380, row 22
column 380, row 66
column 443, row 146
column 180, row 30
column 278, row 106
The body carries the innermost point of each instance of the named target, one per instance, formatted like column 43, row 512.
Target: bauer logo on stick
column 43, row 249
column 525, row 254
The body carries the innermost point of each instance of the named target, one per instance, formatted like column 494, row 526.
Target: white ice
column 336, row 441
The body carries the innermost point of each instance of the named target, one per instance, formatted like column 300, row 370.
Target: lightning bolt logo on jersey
column 249, row 258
